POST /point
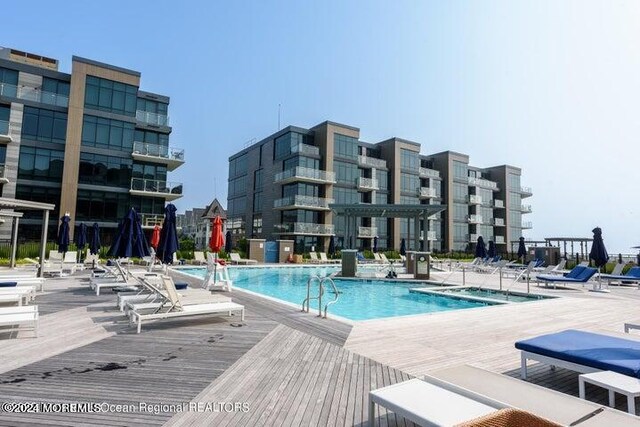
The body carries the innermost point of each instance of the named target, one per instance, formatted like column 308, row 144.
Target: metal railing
column 371, row 162
column 368, row 183
column 497, row 203
column 475, row 219
column 498, row 222
column 4, row 127
column 157, row 150
column 473, row 237
column 525, row 208
column 480, row 182
column 321, row 291
column 367, row 231
column 428, row 173
column 152, row 118
column 426, row 192
column 303, row 201
column 499, row 240
column 150, row 220
column 526, row 190
column 305, row 149
column 302, row 172
column 156, row 186
column 527, row 224
column 475, row 199
column 33, row 94
column 305, row 228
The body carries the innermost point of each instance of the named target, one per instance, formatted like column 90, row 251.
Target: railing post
column 463, row 276
column 500, row 272
column 320, row 292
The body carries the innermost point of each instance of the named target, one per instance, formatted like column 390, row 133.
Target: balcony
column 499, row 240
column 431, row 235
column 371, row 162
column 305, row 229
column 498, row 204
column 525, row 208
column 303, row 174
column 474, row 219
column 154, row 153
column 473, row 238
column 426, row 192
column 498, row 222
column 152, row 118
column 151, row 220
column 3, row 177
column 155, row 188
column 303, row 202
column 484, row 183
column 428, row 173
column 34, row 94
column 4, row 132
column 367, row 232
column 311, row 150
column 474, row 199
column 368, row 184
column 527, row 225
column 525, row 192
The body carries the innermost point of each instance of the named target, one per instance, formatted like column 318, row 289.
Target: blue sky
column 550, row 86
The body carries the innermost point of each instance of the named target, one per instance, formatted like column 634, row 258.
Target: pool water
column 358, row 299
column 494, row 294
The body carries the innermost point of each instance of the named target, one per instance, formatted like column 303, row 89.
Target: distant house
column 196, row 223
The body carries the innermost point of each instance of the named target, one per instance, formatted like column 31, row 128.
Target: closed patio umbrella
column 168, row 244
column 81, row 239
column 130, row 241
column 332, row 246
column 522, row 249
column 94, row 244
column 63, row 234
column 228, row 244
column 481, row 250
column 598, row 252
column 216, row 242
column 491, row 252
column 403, row 247
column 375, row 244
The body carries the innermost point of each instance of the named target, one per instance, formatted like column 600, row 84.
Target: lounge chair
column 583, row 352
column 70, row 262
column 176, row 308
column 92, row 260
column 632, row 276
column 36, row 282
column 28, row 293
column 120, row 277
column 16, row 316
column 313, row 258
column 235, row 259
column 579, row 274
column 198, row 258
column 324, row 259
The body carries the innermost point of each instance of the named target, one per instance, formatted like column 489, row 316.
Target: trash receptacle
column 422, row 265
column 349, row 263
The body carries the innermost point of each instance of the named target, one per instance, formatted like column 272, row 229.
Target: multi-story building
column 90, row 142
column 282, row 187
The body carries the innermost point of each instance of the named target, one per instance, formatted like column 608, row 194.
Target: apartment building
column 90, row 142
column 283, row 186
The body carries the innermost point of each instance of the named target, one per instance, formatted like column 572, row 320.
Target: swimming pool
column 358, row 299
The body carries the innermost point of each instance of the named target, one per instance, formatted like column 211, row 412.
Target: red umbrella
column 216, row 243
column 155, row 237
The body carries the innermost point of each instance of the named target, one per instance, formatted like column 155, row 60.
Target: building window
column 514, row 181
column 383, row 179
column 257, row 202
column 345, row 146
column 300, row 189
column 460, row 192
column 460, row 212
column 459, row 170
column 108, row 95
column 5, row 112
column 345, row 195
column 346, row 173
column 97, row 169
column 238, row 166
column 40, row 164
column 257, row 179
column 9, row 82
column 409, row 160
column 101, row 206
column 284, row 144
column 382, row 198
column 147, row 205
column 106, row 133
column 237, row 206
column 149, row 171
column 151, row 137
column 151, row 106
column 257, row 224
column 237, row 186
column 305, row 162
column 44, row 125
column 39, row 194
column 409, row 183
column 55, row 86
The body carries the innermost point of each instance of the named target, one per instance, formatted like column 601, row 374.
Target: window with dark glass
column 257, row 202
column 151, row 137
column 9, row 82
column 44, row 125
column 257, row 179
column 108, row 95
column 102, row 205
column 40, row 164
column 300, row 189
column 237, row 186
column 237, row 206
column 305, row 162
column 346, row 173
column 105, row 133
column 97, row 169
column 238, row 166
column 409, row 183
column 39, row 194
column 150, row 106
column 409, row 160
column 345, row 146
column 459, row 170
column 5, row 112
column 149, row 171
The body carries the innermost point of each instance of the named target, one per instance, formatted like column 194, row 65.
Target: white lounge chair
column 22, row 315
column 175, row 308
column 324, row 259
column 198, row 258
column 91, row 260
column 235, row 259
column 28, row 293
column 313, row 258
column 36, row 282
column 119, row 277
column 70, row 262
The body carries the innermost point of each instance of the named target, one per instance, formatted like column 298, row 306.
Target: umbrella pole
column 215, row 267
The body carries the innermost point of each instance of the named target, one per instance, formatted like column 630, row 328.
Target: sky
column 550, row 86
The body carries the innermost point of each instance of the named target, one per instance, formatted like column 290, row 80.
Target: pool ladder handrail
column 335, row 291
column 308, row 299
column 321, row 280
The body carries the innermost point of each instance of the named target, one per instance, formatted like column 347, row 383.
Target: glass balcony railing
column 499, row 222
column 34, row 94
column 152, row 118
column 368, row 184
column 305, row 228
column 525, row 208
column 170, row 189
column 473, row 238
column 499, row 240
column 299, row 201
column 4, row 127
column 305, row 149
column 475, row 219
column 497, row 203
column 480, row 182
column 426, row 192
column 151, row 220
column 367, row 232
column 303, row 173
column 474, row 199
column 2, row 172
column 156, row 150
column 371, row 162
column 431, row 235
column 525, row 191
column 527, row 224
column 429, row 173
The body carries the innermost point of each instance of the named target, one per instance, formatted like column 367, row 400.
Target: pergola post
column 14, row 243
column 43, row 241
column 416, row 233
column 425, row 230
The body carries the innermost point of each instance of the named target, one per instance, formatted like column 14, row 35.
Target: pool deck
column 291, row 368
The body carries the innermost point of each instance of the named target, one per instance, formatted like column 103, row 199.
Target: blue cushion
column 8, row 284
column 181, row 285
column 586, row 274
column 633, row 272
column 575, row 272
column 588, row 349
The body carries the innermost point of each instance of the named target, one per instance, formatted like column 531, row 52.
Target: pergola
column 352, row 212
column 527, row 243
column 22, row 205
column 584, row 241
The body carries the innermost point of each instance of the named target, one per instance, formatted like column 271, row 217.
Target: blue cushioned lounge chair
column 582, row 352
column 579, row 274
column 633, row 275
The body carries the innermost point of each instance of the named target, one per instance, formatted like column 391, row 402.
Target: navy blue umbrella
column 598, row 252
column 332, row 246
column 522, row 249
column 63, row 234
column 168, row 235
column 375, row 244
column 481, row 250
column 130, row 240
column 491, row 252
column 403, row 247
column 94, row 244
column 81, row 238
column 228, row 242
